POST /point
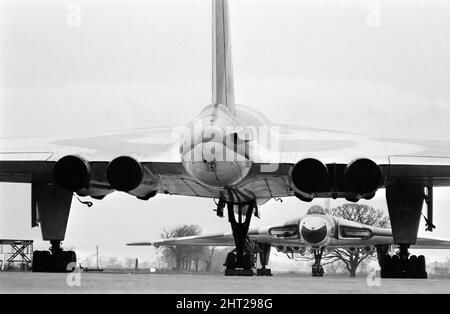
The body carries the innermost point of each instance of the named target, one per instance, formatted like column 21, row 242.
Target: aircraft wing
column 218, row 239
column 32, row 160
column 351, row 234
column 424, row 242
column 430, row 242
column 172, row 177
column 202, row 240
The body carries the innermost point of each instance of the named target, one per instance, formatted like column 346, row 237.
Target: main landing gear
column 317, row 269
column 403, row 265
column 264, row 254
column 405, row 209
column 240, row 261
column 55, row 260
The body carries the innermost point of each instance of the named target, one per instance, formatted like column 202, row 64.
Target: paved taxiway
column 16, row 282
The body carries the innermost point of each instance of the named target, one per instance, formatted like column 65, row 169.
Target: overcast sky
column 376, row 67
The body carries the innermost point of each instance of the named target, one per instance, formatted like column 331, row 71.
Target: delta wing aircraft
column 228, row 153
column 317, row 231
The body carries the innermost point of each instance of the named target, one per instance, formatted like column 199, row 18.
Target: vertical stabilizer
column 222, row 69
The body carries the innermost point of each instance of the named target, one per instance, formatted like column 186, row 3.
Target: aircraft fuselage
column 216, row 148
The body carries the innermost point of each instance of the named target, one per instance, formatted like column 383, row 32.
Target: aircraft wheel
column 413, row 265
column 230, row 262
column 317, row 271
column 396, row 267
column 263, row 272
column 386, row 269
column 248, row 261
column 421, row 267
column 41, row 262
column 36, row 266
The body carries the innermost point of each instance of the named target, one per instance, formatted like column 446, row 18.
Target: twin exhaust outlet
column 124, row 173
column 310, row 177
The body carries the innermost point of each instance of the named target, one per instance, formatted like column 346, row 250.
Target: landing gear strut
column 264, row 253
column 55, row 260
column 240, row 262
column 403, row 265
column 317, row 269
column 405, row 209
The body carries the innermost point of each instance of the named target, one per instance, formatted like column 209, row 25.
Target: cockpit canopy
column 316, row 210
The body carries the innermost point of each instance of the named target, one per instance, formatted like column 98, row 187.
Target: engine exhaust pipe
column 309, row 176
column 125, row 173
column 363, row 176
column 72, row 173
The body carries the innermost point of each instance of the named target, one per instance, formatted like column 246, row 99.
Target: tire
column 421, row 267
column 396, row 267
column 41, row 262
column 36, row 265
column 413, row 267
column 320, row 271
column 230, row 262
column 386, row 270
column 317, row 271
column 248, row 261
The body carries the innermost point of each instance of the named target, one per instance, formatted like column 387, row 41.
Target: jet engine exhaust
column 309, row 175
column 125, row 173
column 72, row 173
column 363, row 176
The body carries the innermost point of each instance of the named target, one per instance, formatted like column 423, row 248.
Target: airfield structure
column 15, row 254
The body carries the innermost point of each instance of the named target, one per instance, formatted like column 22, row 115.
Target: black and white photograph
column 224, row 152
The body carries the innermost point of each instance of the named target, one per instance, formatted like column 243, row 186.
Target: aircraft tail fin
column 222, row 69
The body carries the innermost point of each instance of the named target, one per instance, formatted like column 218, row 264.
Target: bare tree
column 129, row 262
column 360, row 213
column 111, row 262
column 352, row 258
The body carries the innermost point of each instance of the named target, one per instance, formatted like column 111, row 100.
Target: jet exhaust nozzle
column 309, row 175
column 125, row 173
column 72, row 173
column 363, row 176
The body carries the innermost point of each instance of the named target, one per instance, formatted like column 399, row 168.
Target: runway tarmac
column 17, row 282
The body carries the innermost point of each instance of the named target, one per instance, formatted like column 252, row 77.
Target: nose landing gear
column 264, row 254
column 317, row 269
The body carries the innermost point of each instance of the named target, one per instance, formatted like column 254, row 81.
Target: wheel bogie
column 317, row 271
column 59, row 262
column 230, row 262
column 412, row 267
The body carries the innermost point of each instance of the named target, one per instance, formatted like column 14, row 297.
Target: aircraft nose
column 314, row 231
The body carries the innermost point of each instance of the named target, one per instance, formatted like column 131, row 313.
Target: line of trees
column 113, row 262
column 187, row 257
